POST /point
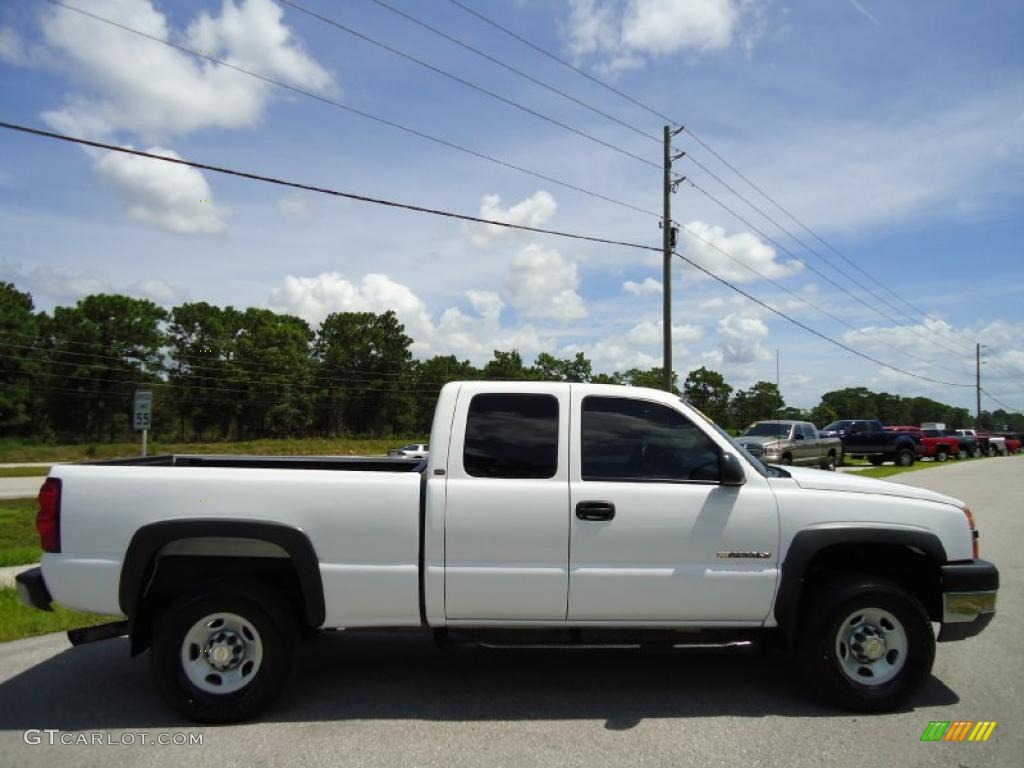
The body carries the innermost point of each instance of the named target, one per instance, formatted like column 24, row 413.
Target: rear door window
column 511, row 436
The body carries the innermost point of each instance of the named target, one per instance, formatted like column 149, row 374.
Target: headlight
column 772, row 448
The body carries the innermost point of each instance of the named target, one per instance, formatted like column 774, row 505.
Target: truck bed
column 340, row 463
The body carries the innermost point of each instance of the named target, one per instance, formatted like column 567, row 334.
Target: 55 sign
column 142, row 410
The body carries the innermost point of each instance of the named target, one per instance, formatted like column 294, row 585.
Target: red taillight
column 48, row 519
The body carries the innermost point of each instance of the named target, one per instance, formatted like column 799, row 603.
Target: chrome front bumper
column 968, row 598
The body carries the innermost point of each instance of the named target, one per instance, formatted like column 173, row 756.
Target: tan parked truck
column 791, row 442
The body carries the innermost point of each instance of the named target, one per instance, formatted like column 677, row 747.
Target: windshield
column 835, row 426
column 763, row 469
column 767, row 429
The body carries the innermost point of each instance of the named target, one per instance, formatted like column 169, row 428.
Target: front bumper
column 32, row 589
column 969, row 592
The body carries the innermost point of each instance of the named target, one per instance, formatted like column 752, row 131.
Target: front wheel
column 830, row 463
column 222, row 657
column 941, row 456
column 905, row 458
column 868, row 644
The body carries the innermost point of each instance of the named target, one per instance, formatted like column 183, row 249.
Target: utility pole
column 977, row 362
column 668, row 244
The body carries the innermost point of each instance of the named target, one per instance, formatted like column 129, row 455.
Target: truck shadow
column 364, row 676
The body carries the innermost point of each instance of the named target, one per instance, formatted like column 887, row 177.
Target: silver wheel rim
column 871, row 646
column 222, row 653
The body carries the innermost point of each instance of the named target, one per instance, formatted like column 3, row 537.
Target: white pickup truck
column 545, row 513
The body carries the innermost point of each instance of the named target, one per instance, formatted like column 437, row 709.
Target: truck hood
column 757, row 439
column 848, row 482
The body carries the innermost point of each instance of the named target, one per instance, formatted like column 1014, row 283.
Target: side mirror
column 731, row 470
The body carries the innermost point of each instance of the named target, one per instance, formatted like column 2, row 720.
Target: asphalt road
column 382, row 700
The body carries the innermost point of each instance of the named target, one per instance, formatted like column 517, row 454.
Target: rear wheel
column 223, row 656
column 977, row 453
column 962, row 454
column 905, row 458
column 867, row 644
column 787, row 460
column 830, row 463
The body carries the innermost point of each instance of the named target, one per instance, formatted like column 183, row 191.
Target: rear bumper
column 969, row 593
column 32, row 590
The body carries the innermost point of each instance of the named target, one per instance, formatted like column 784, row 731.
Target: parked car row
column 782, row 441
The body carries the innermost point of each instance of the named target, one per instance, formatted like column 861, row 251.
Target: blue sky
column 894, row 131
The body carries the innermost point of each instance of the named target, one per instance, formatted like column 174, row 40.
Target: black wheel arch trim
column 137, row 569
column 808, row 543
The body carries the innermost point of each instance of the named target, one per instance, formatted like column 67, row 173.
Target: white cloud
column 648, row 286
column 648, row 332
column 12, row 50
column 487, row 304
column 534, row 211
column 621, row 34
column 313, row 298
column 541, row 283
column 173, row 197
column 707, row 243
column 740, row 336
column 62, row 287
column 133, row 84
column 294, row 206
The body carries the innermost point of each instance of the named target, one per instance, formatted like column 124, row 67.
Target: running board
column 99, row 632
column 614, row 646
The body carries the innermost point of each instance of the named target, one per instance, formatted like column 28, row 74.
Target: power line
column 227, row 366
column 358, row 112
column 811, row 304
column 322, row 190
column 470, row 84
column 450, row 214
column 913, row 329
column 536, row 81
column 662, row 116
column 807, row 328
column 997, row 401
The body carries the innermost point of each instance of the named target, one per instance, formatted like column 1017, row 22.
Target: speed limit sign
column 143, row 410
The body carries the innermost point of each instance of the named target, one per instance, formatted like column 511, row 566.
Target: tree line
column 221, row 373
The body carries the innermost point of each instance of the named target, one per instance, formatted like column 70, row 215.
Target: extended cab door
column 507, row 508
column 654, row 537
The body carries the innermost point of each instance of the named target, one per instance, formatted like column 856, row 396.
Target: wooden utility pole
column 977, row 388
column 668, row 244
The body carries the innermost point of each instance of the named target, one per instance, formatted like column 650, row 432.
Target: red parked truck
column 936, row 446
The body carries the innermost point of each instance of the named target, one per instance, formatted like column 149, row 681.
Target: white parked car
column 411, row 451
column 586, row 513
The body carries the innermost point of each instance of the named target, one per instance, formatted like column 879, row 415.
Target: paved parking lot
column 395, row 701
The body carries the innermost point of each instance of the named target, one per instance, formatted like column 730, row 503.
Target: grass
column 12, row 451
column 19, row 542
column 18, row 620
column 886, row 471
column 23, row 471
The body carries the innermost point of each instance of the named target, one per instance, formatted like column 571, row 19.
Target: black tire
column 830, row 463
column 819, row 657
column 787, row 460
column 276, row 629
column 962, row 454
column 941, row 455
column 905, row 458
column 876, row 461
column 977, row 453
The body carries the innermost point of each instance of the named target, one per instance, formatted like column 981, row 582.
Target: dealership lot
column 365, row 699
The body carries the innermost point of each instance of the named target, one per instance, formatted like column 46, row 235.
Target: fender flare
column 137, row 568
column 808, row 543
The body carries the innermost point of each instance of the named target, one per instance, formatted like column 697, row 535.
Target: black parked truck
column 867, row 438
